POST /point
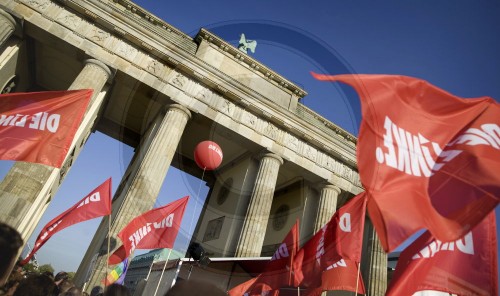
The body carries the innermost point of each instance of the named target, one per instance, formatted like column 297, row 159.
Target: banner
column 467, row 266
column 343, row 275
column 117, row 275
column 96, row 204
column 340, row 239
column 426, row 158
column 278, row 271
column 154, row 229
column 39, row 127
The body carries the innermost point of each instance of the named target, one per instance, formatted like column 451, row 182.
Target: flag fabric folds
column 96, row 204
column 343, row 275
column 117, row 275
column 338, row 242
column 39, row 127
column 467, row 266
column 278, row 271
column 153, row 229
column 426, row 158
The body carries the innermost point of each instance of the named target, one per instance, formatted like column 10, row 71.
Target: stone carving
column 226, row 107
column 179, row 80
column 272, row 131
column 310, row 152
column 126, row 51
column 98, row 35
column 249, row 119
column 154, row 67
column 292, row 142
column 38, row 4
column 69, row 20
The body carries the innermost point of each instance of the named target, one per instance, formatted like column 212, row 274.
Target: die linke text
column 39, row 121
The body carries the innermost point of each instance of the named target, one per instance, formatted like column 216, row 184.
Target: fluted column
column 255, row 224
column 141, row 185
column 374, row 263
column 7, row 26
column 27, row 189
column 327, row 205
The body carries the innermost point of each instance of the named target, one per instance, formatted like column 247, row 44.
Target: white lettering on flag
column 464, row 245
column 345, row 222
column 40, row 121
column 140, row 233
column 417, row 156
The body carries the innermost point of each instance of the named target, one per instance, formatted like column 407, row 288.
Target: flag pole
column 109, row 243
column 357, row 278
column 298, row 291
column 150, row 267
column 163, row 270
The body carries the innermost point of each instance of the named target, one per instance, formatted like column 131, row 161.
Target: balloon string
column 195, row 202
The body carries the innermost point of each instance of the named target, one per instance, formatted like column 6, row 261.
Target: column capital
column 8, row 17
column 181, row 108
column 267, row 154
column 329, row 186
column 101, row 65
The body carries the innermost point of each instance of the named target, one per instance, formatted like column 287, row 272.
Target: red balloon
column 208, row 155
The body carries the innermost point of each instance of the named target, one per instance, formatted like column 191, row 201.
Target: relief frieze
column 68, row 20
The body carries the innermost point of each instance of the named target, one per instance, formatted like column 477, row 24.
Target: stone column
column 7, row 26
column 27, row 188
column 138, row 189
column 327, row 205
column 374, row 262
column 255, row 224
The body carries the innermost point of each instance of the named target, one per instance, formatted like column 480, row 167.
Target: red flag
column 154, row 229
column 420, row 148
column 340, row 238
column 342, row 275
column 278, row 271
column 39, row 127
column 96, row 204
column 344, row 233
column 467, row 266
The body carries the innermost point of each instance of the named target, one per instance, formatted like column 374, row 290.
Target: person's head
column 35, row 285
column 96, row 291
column 65, row 285
column 73, row 291
column 116, row 290
column 10, row 242
column 61, row 276
column 195, row 288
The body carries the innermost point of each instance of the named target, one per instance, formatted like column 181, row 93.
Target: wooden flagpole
column 357, row 278
column 107, row 257
column 163, row 270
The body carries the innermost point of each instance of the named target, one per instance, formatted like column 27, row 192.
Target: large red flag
column 467, row 266
column 154, row 229
column 343, row 275
column 96, row 204
column 340, row 238
column 278, row 271
column 426, row 158
column 39, row 127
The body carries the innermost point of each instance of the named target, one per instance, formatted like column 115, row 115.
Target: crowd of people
column 14, row 281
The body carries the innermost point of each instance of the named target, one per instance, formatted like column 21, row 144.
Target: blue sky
column 452, row 44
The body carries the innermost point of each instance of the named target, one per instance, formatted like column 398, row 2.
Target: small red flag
column 340, row 239
column 96, row 204
column 467, row 266
column 278, row 271
column 419, row 149
column 39, row 127
column 343, row 275
column 154, row 229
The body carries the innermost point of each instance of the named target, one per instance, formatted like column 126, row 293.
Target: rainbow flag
column 117, row 275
